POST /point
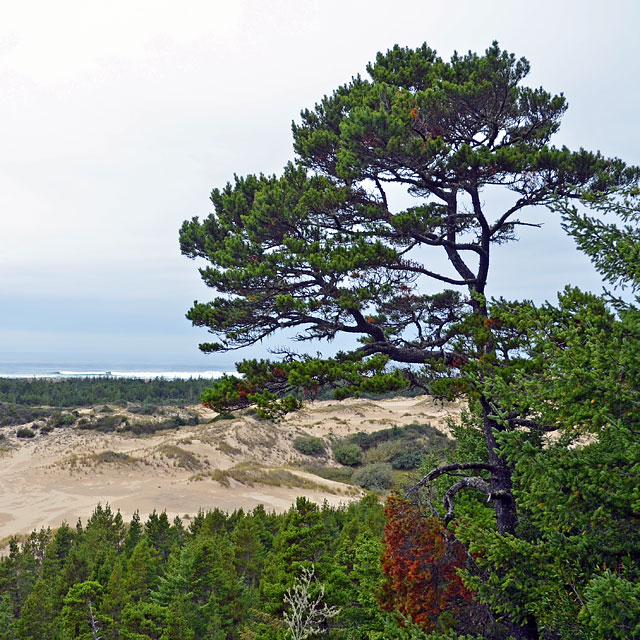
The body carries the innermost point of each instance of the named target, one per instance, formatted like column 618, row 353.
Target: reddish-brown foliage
column 421, row 562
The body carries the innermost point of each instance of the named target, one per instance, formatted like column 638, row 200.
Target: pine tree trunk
column 505, row 508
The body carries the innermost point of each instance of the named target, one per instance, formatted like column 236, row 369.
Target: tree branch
column 448, row 468
column 467, row 482
column 472, row 482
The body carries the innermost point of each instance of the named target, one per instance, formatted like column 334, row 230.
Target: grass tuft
column 181, row 457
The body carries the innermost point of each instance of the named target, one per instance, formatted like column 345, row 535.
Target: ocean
column 66, row 369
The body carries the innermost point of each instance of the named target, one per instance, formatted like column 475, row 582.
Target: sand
column 61, row 476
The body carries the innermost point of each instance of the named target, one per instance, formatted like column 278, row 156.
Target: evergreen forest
column 25, row 400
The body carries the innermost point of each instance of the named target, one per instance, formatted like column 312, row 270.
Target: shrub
column 376, row 477
column 25, row 432
column 145, row 427
column 337, row 474
column 58, row 419
column 113, row 457
column 347, row 453
column 13, row 415
column 181, row 457
column 387, row 451
column 142, row 409
column 408, row 459
column 106, row 424
column 430, row 437
column 309, row 445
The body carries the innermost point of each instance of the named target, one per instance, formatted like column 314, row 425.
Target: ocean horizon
column 104, row 369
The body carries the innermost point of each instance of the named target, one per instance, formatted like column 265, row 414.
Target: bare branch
column 449, row 468
column 469, row 482
column 308, row 613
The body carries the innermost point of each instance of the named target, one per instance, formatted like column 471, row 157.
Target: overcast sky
column 118, row 118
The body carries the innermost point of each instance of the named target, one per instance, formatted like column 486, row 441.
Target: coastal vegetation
column 526, row 528
column 404, row 183
column 27, row 397
column 216, row 575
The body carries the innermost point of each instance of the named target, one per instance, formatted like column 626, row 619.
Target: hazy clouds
column 118, row 118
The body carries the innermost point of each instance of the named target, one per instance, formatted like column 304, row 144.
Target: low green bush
column 142, row 409
column 114, row 457
column 59, row 419
column 337, row 474
column 408, row 459
column 106, row 424
column 386, row 451
column 25, row 432
column 309, row 445
column 147, row 427
column 173, row 422
column 13, row 415
column 347, row 453
column 375, row 477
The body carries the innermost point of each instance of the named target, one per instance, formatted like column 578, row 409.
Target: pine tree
column 301, row 542
column 79, row 617
column 114, row 600
column 38, row 617
column 330, row 247
column 134, row 533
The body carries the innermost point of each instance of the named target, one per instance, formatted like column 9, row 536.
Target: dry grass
column 89, row 460
column 254, row 436
column 181, row 457
column 113, row 457
column 227, row 449
column 252, row 473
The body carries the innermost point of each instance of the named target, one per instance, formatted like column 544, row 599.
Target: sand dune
column 62, row 475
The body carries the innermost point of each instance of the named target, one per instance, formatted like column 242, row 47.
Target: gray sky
column 117, row 119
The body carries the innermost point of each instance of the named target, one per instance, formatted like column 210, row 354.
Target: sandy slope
column 61, row 476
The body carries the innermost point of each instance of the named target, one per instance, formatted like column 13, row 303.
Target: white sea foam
column 170, row 375
column 145, row 375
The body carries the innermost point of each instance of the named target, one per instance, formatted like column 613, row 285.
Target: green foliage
column 407, row 460
column 577, row 495
column 282, row 252
column 7, row 619
column 433, row 439
column 612, row 245
column 25, row 432
column 347, row 453
column 78, row 615
column 338, row 474
column 309, row 445
column 612, row 606
column 375, row 477
column 23, row 398
column 14, row 414
column 59, row 419
column 105, row 424
column 402, row 447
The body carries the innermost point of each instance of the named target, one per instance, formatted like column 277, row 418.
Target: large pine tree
column 403, row 182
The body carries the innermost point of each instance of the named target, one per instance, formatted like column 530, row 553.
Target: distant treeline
column 79, row 392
